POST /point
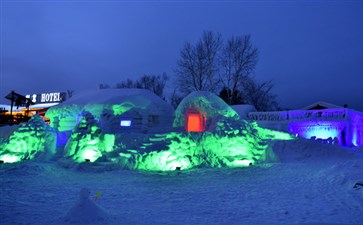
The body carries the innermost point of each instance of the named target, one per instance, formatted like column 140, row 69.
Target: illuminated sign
column 46, row 97
column 125, row 123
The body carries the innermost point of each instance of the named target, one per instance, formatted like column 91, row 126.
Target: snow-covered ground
column 312, row 183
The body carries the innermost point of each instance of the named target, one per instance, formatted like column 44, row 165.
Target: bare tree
column 103, row 86
column 176, row 98
column 126, row 84
column 70, row 93
column 233, row 61
column 154, row 83
column 197, row 67
column 230, row 98
column 259, row 94
column 238, row 59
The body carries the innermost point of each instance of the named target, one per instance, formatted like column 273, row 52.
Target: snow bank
column 34, row 139
column 310, row 150
column 244, row 110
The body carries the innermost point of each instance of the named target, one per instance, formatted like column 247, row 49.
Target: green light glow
column 7, row 158
column 122, row 108
column 231, row 146
column 241, row 163
column 163, row 161
column 227, row 141
column 92, row 154
column 63, row 118
column 87, row 140
column 30, row 140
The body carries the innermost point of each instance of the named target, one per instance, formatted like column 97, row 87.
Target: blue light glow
column 318, row 129
column 125, row 123
column 62, row 138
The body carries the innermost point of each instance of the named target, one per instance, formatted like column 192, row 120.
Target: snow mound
column 108, row 106
column 30, row 140
column 86, row 211
column 210, row 105
column 87, row 141
column 237, row 144
column 243, row 110
column 310, row 150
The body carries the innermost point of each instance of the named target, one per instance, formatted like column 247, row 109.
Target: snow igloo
column 200, row 111
column 116, row 111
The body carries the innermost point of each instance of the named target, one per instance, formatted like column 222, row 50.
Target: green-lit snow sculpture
column 87, row 142
column 226, row 140
column 34, row 139
column 206, row 133
column 241, row 145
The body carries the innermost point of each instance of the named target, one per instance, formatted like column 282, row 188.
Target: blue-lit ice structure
column 336, row 125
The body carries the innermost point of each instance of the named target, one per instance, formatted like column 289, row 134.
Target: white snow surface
column 312, row 183
column 112, row 96
column 85, row 210
column 7, row 131
column 243, row 110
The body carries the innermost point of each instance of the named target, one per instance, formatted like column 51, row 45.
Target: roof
column 243, row 110
column 19, row 99
column 99, row 100
column 212, row 106
column 111, row 96
column 321, row 105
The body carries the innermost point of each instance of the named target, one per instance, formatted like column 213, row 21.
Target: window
column 125, row 123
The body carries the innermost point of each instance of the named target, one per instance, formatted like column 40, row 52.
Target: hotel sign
column 47, row 97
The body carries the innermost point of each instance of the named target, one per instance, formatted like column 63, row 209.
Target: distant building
column 24, row 107
column 320, row 120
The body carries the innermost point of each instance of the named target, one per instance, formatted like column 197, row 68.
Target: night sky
column 312, row 50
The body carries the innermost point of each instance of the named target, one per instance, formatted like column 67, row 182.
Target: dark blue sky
column 312, row 50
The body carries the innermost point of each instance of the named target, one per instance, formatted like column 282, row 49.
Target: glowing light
column 163, row 161
column 241, row 163
column 195, row 123
column 230, row 147
column 122, row 108
column 7, row 158
column 90, row 154
column 32, row 139
column 62, row 138
column 318, row 129
column 125, row 123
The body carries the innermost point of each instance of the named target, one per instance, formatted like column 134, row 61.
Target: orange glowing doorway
column 195, row 122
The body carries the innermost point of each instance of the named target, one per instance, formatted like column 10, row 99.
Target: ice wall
column 343, row 124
